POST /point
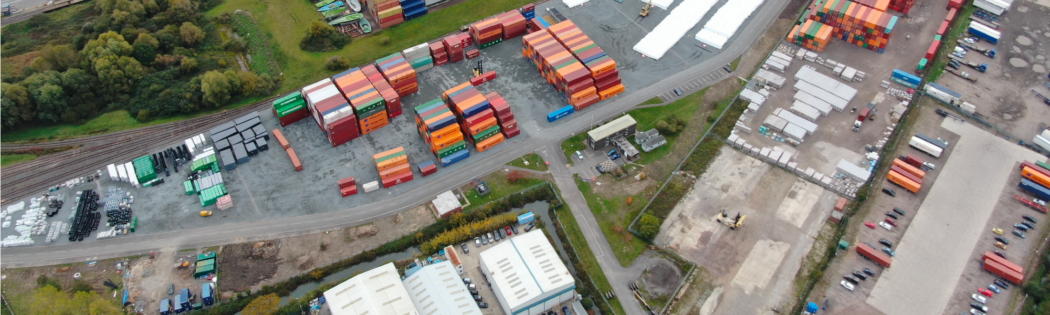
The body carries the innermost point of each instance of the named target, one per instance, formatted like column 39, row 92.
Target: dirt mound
column 244, row 265
column 661, row 277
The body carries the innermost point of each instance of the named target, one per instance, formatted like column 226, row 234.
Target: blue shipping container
column 165, row 307
column 592, row 58
column 444, row 122
column 455, row 157
column 945, row 90
column 480, row 107
column 907, row 77
column 560, row 113
column 525, row 218
column 1034, row 188
column 529, row 15
column 206, row 294
column 185, row 297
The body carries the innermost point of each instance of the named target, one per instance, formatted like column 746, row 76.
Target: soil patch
column 661, row 277
column 246, row 264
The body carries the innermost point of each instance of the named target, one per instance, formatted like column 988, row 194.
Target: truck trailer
column 925, row 147
column 1002, row 271
column 1038, row 190
column 1035, row 176
column 875, row 255
column 903, row 181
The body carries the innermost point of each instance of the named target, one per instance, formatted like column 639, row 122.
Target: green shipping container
column 391, row 156
column 144, row 170
column 204, row 271
column 210, row 195
column 189, row 187
column 370, row 104
column 449, row 150
column 487, row 133
column 490, row 44
column 922, row 64
column 208, row 255
column 203, row 163
column 290, row 108
column 294, row 96
column 421, row 62
column 427, row 104
column 205, row 263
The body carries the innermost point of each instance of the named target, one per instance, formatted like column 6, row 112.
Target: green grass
column 653, row 101
column 613, row 216
column 958, row 27
column 262, row 61
column 684, row 108
column 286, row 23
column 500, row 187
column 573, row 144
column 535, row 162
column 586, row 256
column 732, row 65
column 12, row 159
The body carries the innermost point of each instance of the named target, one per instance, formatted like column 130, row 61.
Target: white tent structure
column 673, row 27
column 663, row 4
column 726, row 22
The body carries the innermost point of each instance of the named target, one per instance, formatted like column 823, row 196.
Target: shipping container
column 912, row 160
column 1002, row 261
column 397, row 179
column 1002, row 271
column 877, row 256
column 427, row 168
column 901, row 171
column 925, row 147
column 1034, row 188
column 984, row 32
column 1035, row 176
column 295, row 160
column 909, row 168
column 903, row 182
column 455, row 157
column 560, row 113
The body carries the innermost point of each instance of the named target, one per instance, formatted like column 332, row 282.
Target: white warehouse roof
column 525, row 268
column 606, row 130
column 375, row 292
column 438, row 289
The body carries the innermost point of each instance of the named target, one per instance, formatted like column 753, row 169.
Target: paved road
column 285, row 227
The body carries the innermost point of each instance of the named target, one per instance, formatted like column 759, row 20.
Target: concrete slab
column 756, row 270
column 799, row 202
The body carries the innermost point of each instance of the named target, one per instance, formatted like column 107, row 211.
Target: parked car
column 1028, row 225
column 890, row 221
column 611, row 152
column 579, row 155
column 985, row 292
column 507, row 231
column 889, row 192
column 891, row 214
column 477, row 241
column 1000, row 254
column 484, row 240
column 847, row 285
column 860, row 275
column 529, row 227
column 1002, row 240
column 1021, row 227
column 979, row 306
column 502, row 234
column 467, row 281
column 974, row 311
column 979, row 298
column 997, row 231
column 491, row 239
column 727, row 69
column 171, row 289
column 477, row 298
column 1019, row 233
column 889, row 251
column 886, row 226
column 870, row 225
column 466, row 250
column 899, row 211
column 677, row 92
column 514, row 227
column 885, row 242
column 1000, row 245
column 994, row 289
column 614, row 157
column 483, row 305
column 869, row 272
column 1029, row 218
column 851, row 279
column 473, row 292
column 1001, row 284
column 472, row 286
column 599, row 168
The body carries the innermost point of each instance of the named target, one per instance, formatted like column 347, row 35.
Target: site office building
column 603, row 136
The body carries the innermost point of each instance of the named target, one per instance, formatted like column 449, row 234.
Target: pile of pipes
column 57, row 229
column 24, row 232
column 86, row 217
column 117, row 206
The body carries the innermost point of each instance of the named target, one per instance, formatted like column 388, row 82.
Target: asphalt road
column 308, row 224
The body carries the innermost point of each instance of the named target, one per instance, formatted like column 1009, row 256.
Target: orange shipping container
column 280, row 139
column 295, row 160
column 904, row 182
column 1036, row 176
column 446, row 141
column 907, row 167
column 486, row 124
column 397, row 170
column 611, row 91
column 393, row 162
column 371, row 129
column 443, row 132
column 490, row 142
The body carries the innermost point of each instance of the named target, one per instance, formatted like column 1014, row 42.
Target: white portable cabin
column 809, row 126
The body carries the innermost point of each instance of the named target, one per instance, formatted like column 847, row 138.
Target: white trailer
column 925, row 147
column 1043, row 140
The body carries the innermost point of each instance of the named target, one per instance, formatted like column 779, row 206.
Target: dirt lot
column 18, row 283
column 1004, row 95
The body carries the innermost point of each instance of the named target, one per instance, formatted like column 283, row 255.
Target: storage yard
column 269, row 186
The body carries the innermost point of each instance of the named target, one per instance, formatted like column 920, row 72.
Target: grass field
column 572, row 144
column 684, row 108
column 12, row 159
column 535, row 162
column 586, row 256
column 500, row 187
column 653, row 101
column 614, row 215
column 108, row 122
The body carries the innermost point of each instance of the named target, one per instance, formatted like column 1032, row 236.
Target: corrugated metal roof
column 612, row 127
column 853, row 170
column 438, row 289
column 525, row 268
column 377, row 291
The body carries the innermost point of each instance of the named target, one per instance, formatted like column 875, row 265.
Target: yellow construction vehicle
column 645, row 9
column 206, row 213
column 733, row 223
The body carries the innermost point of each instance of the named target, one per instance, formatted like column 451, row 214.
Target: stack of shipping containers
column 389, row 12
column 413, row 8
column 440, row 129
column 475, row 115
column 454, row 45
column 419, row 57
column 369, row 106
column 906, row 175
column 393, row 101
column 601, row 66
column 904, row 6
column 811, row 35
column 348, row 186
column 561, row 68
column 487, row 32
column 290, row 108
column 856, row 23
column 393, row 167
column 399, row 73
column 512, row 23
column 144, row 169
column 528, row 11
column 438, row 53
column 504, row 116
column 330, row 109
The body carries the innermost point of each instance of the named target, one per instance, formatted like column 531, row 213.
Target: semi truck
column 1035, row 176
column 875, row 255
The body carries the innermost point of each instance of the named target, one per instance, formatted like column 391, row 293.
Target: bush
column 649, row 226
column 465, row 232
column 323, row 37
column 337, row 63
column 81, row 286
column 43, row 280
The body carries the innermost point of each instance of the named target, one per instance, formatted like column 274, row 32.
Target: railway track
column 95, row 152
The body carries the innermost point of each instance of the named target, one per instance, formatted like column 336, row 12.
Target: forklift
column 645, row 9
column 478, row 70
column 736, row 222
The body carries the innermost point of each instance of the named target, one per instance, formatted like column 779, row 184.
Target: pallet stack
column 487, row 32
column 811, row 35
column 504, row 116
column 413, row 8
column 393, row 101
column 331, row 111
column 855, row 23
column 475, row 114
column 601, row 66
column 389, row 12
column 454, row 45
column 290, row 108
column 440, row 129
column 393, row 167
column 224, row 202
column 438, row 53
column 513, row 24
column 419, row 57
column 399, row 73
column 348, row 186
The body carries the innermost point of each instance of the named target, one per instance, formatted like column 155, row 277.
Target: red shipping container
column 933, row 50
column 471, row 54
column 511, row 132
column 391, row 114
column 429, row 169
column 951, row 14
column 1002, row 271
column 509, row 124
column 943, row 28
column 438, row 62
column 347, row 182
column 607, row 74
column 1002, row 261
column 479, row 117
column 295, row 160
column 293, row 117
column 340, row 140
column 875, row 255
column 505, row 117
column 485, row 77
column 954, row 4
column 399, row 179
column 586, row 101
column 348, row 191
column 602, row 86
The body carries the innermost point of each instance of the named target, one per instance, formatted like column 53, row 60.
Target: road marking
column 254, row 205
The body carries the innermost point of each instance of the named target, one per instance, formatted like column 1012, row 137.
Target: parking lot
column 586, row 167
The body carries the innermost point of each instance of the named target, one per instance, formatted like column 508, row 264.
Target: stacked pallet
column 438, row 53
column 454, row 45
column 331, row 110
column 224, row 202
column 348, row 186
column 487, row 32
column 399, row 73
column 209, row 196
column 393, row 167
column 512, row 23
column 440, row 129
column 290, row 108
column 474, row 112
column 601, row 66
column 389, row 12
column 419, row 57
column 413, row 8
column 855, row 23
column 504, row 116
column 811, row 35
column 393, row 101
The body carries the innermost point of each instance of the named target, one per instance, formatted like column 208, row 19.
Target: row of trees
column 466, row 231
column 149, row 57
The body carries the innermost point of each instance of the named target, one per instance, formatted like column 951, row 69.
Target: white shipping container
column 794, row 132
column 925, row 147
column 801, row 53
column 370, row 186
column 809, row 126
column 123, row 173
column 836, row 102
column 113, row 175
column 992, row 6
column 820, row 105
column 848, row 74
column 805, row 111
column 775, row 123
column 809, row 74
column 782, row 56
column 1042, row 140
column 785, row 62
column 772, row 79
column 775, row 66
column 752, row 96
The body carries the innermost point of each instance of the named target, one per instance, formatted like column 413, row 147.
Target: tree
column 662, row 126
column 49, row 300
column 107, row 44
column 337, row 63
column 216, row 88
column 15, row 105
column 587, row 303
column 323, row 37
column 252, row 84
column 144, row 53
column 649, row 226
column 188, row 65
column 58, row 58
column 119, row 74
column 50, row 102
column 81, row 286
column 236, row 44
column 181, row 11
column 191, row 34
column 263, row 305
column 458, row 218
column 514, row 176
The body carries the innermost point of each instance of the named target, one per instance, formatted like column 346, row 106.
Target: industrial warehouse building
column 377, row 291
column 526, row 273
column 438, row 289
column 603, row 136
